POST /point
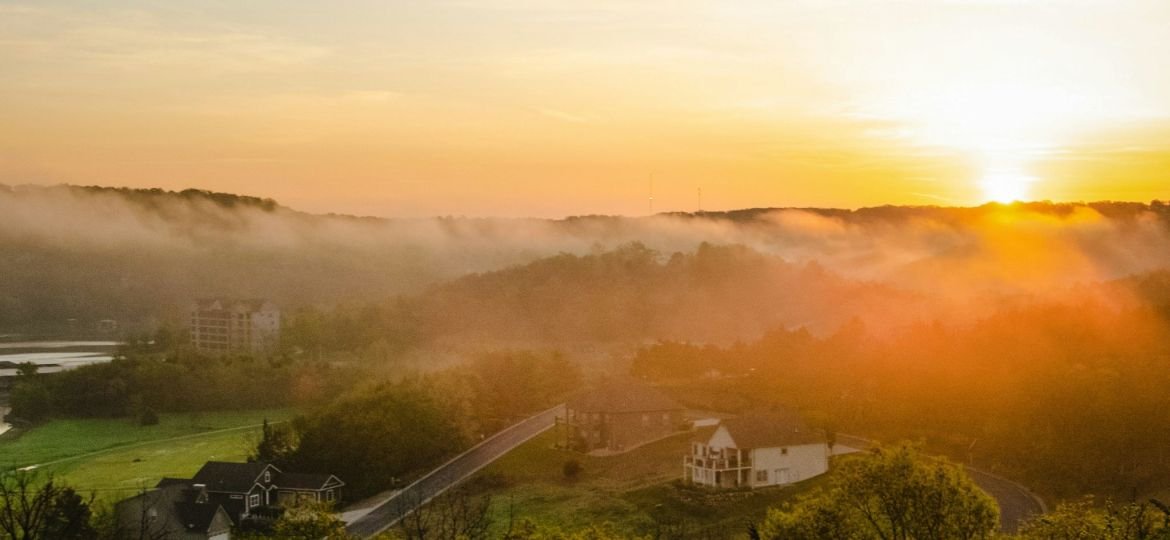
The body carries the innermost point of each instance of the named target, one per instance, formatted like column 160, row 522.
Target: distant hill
column 91, row 253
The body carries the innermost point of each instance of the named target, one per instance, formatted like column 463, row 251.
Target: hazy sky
column 517, row 108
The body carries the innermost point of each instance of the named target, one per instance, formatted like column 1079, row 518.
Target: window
column 761, row 476
column 645, row 420
column 254, row 501
column 267, row 477
column 665, row 418
column 784, row 451
column 329, row 495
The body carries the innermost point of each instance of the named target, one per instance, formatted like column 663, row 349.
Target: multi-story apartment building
column 226, row 326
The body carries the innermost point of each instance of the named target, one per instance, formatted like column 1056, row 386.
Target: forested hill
column 714, row 294
column 90, row 253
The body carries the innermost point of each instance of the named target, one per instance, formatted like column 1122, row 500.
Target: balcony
column 717, row 463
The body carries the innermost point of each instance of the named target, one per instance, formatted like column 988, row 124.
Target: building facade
column 246, row 490
column 222, row 326
column 618, row 416
column 182, row 512
column 755, row 451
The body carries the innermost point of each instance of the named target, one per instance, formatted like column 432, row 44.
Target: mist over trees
column 139, row 256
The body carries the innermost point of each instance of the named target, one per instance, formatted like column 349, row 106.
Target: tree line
column 1069, row 398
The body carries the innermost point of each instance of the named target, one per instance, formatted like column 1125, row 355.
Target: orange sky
column 516, row 108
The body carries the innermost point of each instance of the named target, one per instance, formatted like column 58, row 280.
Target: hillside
column 139, row 256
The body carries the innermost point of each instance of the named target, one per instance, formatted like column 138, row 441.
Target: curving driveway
column 1016, row 503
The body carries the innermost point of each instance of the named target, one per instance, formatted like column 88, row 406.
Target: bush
column 148, row 417
column 572, row 469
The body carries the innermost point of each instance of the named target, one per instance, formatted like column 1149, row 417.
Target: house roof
column 771, row 430
column 196, row 517
column 703, row 434
column 184, row 505
column 305, row 481
column 168, row 481
column 229, row 477
column 623, row 395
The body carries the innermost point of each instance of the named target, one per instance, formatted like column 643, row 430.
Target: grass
column 637, row 492
column 115, row 457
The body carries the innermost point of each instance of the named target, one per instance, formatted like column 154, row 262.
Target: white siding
column 799, row 463
column 721, row 439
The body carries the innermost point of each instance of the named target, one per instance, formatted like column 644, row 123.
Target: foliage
column 454, row 515
column 571, row 469
column 134, row 385
column 310, row 521
column 1051, row 394
column 893, row 494
column 148, row 417
column 1080, row 520
column 32, row 508
column 276, row 444
column 373, row 435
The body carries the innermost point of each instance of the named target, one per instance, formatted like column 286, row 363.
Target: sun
column 1006, row 185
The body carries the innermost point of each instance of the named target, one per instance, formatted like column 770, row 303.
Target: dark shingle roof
column 767, row 431
column 302, row 481
column 619, row 396
column 196, row 517
column 168, row 481
column 230, row 477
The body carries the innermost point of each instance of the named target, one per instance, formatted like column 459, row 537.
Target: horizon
column 524, row 109
column 695, row 213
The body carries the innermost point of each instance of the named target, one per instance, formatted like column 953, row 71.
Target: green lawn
column 115, row 457
column 637, row 491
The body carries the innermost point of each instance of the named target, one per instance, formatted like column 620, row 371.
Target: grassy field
column 115, row 457
column 636, row 492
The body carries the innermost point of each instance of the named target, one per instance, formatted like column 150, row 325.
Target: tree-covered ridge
column 632, row 293
column 1069, row 398
column 140, row 255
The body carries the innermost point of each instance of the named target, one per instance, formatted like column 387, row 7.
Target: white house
column 756, row 451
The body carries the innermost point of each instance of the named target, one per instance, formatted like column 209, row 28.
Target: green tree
column 371, row 436
column 275, row 446
column 1081, row 521
column 310, row 521
column 32, row 508
column 891, row 494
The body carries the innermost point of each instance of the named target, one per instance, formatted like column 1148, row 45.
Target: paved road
column 1016, row 503
column 462, row 466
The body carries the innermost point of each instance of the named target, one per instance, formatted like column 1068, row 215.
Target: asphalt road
column 393, row 509
column 1016, row 503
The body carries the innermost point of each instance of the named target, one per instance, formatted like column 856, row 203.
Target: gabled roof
column 623, row 395
column 230, row 477
column 168, row 481
column 196, row 517
column 703, row 434
column 768, row 431
column 185, row 506
column 307, row 481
